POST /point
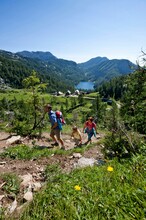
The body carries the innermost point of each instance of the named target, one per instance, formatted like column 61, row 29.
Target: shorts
column 90, row 133
column 56, row 132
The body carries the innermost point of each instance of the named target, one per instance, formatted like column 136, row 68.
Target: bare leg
column 62, row 143
column 53, row 137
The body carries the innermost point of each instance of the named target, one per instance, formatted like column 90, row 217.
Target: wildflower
column 110, row 169
column 77, row 187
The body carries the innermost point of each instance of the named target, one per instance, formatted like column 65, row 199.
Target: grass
column 92, row 193
column 12, row 183
column 25, row 152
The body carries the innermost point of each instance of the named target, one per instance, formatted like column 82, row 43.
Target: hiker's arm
column 84, row 127
column 95, row 128
column 54, row 126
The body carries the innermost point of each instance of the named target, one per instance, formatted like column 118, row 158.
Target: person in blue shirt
column 55, row 133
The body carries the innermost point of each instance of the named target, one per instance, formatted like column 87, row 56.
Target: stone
column 13, row 139
column 83, row 162
column 26, row 180
column 36, row 186
column 12, row 206
column 28, row 196
column 77, row 155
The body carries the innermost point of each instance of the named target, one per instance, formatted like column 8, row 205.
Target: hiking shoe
column 55, row 144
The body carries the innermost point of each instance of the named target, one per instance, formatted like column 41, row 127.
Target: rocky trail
column 31, row 171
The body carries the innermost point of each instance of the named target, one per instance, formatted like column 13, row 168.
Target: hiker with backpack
column 90, row 128
column 56, row 126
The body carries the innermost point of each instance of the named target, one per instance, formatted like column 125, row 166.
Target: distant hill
column 92, row 62
column 102, row 69
column 44, row 56
column 60, row 74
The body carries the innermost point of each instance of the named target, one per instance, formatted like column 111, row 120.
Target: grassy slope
column 92, row 193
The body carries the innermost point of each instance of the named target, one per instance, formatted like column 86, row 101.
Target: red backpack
column 60, row 116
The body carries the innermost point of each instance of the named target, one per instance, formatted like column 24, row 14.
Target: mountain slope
column 44, row 56
column 102, row 69
column 92, row 62
column 59, row 74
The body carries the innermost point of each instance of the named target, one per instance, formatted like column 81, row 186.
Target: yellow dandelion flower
column 110, row 169
column 77, row 187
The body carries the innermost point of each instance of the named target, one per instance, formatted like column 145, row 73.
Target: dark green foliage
column 13, row 70
column 112, row 117
column 115, row 88
column 25, row 117
column 122, row 143
column 134, row 101
column 81, row 99
column 119, row 141
column 98, row 109
column 131, row 91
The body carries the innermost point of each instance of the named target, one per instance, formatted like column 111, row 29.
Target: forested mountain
column 44, row 56
column 68, row 71
column 102, row 69
column 94, row 62
column 59, row 74
column 98, row 69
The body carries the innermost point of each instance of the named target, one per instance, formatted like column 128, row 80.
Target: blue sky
column 75, row 30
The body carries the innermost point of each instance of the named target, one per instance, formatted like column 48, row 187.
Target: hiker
column 55, row 133
column 90, row 129
column 76, row 136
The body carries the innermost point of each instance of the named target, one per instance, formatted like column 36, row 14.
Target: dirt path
column 21, row 167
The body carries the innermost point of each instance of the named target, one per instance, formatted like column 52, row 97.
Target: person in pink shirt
column 90, row 128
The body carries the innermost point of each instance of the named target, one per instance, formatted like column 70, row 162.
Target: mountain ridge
column 97, row 70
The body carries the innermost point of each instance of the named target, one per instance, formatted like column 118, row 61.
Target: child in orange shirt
column 76, row 135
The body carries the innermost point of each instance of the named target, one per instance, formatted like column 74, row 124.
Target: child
column 90, row 128
column 76, row 135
